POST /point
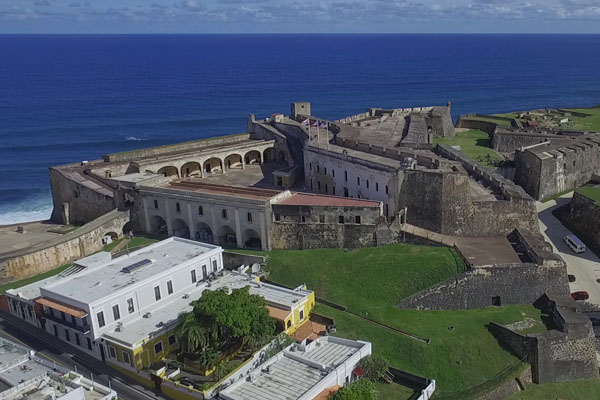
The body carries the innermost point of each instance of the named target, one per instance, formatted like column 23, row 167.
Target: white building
column 123, row 309
column 25, row 376
column 301, row 371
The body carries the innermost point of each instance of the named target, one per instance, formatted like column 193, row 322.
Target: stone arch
column 191, row 168
column 227, row 236
column 251, row 239
column 113, row 235
column 252, row 157
column 169, row 170
column 233, row 161
column 203, row 232
column 212, row 165
column 158, row 225
column 181, row 228
column 128, row 227
column 268, row 155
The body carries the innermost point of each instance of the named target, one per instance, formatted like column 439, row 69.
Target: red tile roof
column 309, row 199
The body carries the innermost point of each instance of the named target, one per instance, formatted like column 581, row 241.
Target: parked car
column 580, row 295
column 571, row 278
column 574, row 243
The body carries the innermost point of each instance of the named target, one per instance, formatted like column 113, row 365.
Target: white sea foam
column 132, row 138
column 16, row 217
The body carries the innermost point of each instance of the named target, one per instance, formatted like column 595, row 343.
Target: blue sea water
column 67, row 98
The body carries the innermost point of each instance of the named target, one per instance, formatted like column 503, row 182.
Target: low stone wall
column 46, row 256
column 508, row 142
column 582, row 217
column 305, row 236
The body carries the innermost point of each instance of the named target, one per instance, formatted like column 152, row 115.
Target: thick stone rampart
column 507, row 142
column 174, row 148
column 487, row 286
column 79, row 243
column 582, row 217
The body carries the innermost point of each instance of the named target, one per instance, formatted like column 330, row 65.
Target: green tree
column 362, row 389
column 219, row 320
column 374, row 367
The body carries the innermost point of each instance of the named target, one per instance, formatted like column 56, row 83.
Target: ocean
column 68, row 98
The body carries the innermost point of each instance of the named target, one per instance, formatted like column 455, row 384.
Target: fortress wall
column 172, row 148
column 296, row 137
column 44, row 257
column 528, row 169
column 582, row 217
column 422, row 193
column 484, row 126
column 476, row 288
column 84, row 204
column 508, row 142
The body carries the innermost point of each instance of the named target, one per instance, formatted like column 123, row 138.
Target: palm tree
column 192, row 335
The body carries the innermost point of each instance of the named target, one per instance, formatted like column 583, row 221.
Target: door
column 102, row 352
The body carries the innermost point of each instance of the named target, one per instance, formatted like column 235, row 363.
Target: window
column 333, row 173
column 322, row 219
column 367, row 183
column 130, row 306
column 386, row 189
column 158, row 348
column 303, row 218
column 341, row 219
column 325, row 170
column 326, row 189
column 318, row 185
column 376, row 187
column 112, row 352
column 357, row 219
column 67, row 336
column 55, row 330
column 89, row 343
column 311, row 184
column 310, row 166
column 77, row 341
column 157, row 293
column 224, row 213
column 301, row 315
column 249, row 217
column 200, row 210
column 156, row 204
column 100, row 317
column 358, row 180
column 333, row 190
column 169, row 287
column 126, row 358
column 346, row 176
column 177, row 207
column 204, row 272
column 214, row 265
column 194, row 278
column 116, row 312
column 172, row 340
column 345, row 192
column 317, row 167
column 278, row 217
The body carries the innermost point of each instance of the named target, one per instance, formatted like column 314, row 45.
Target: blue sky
column 291, row 16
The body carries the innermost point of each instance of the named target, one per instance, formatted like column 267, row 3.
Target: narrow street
column 59, row 353
column 584, row 266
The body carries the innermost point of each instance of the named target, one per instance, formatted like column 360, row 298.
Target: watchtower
column 300, row 108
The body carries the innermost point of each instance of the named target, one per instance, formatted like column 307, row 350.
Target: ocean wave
column 133, row 138
column 19, row 216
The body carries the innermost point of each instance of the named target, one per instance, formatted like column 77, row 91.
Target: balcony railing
column 81, row 328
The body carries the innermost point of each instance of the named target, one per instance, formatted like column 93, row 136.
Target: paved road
column 58, row 352
column 585, row 266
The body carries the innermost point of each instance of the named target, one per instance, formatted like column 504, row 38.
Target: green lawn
column 591, row 192
column 561, row 391
column 392, row 391
column 475, row 144
column 371, row 281
column 591, row 123
column 396, row 271
column 492, row 120
column 27, row 281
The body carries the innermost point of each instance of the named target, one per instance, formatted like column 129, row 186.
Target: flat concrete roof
column 309, row 199
column 136, row 177
column 105, row 279
column 294, row 371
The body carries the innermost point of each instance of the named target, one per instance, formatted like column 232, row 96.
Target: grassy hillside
column 475, row 144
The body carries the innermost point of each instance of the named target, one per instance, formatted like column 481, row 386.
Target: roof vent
column 120, row 327
column 136, row 265
column 148, row 314
column 186, row 296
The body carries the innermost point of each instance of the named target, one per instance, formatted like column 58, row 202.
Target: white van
column 575, row 243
